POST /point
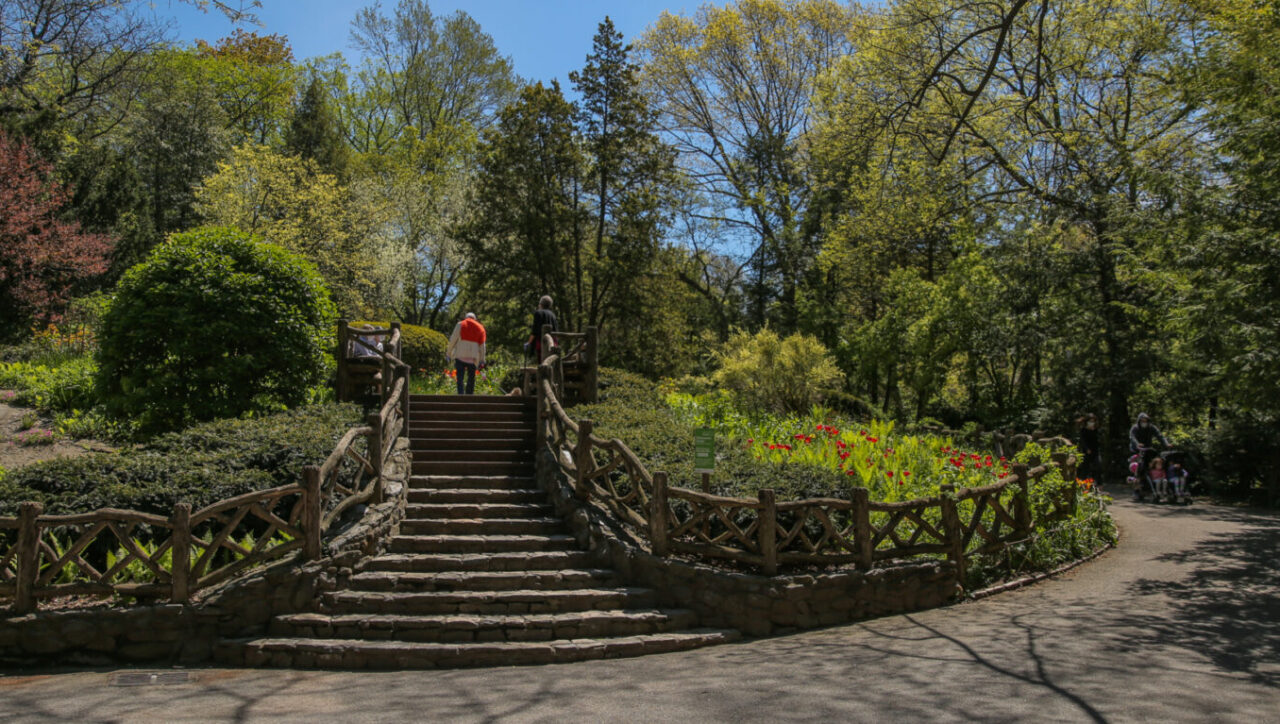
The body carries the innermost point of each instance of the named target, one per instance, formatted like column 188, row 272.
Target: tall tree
column 630, row 176
column 252, row 77
column 733, row 87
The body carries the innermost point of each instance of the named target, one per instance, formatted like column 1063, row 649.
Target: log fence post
column 540, row 419
column 24, row 598
column 405, row 373
column 767, row 531
column 311, row 512
column 583, row 463
column 374, row 421
column 862, row 528
column 180, row 576
column 341, row 356
column 1023, row 512
column 954, row 531
column 658, row 515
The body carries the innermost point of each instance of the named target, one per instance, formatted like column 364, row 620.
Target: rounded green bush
column 215, row 323
column 423, row 347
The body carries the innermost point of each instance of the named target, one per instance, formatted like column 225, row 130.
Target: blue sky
column 545, row 39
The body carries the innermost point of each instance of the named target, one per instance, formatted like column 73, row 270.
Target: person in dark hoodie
column 1142, row 438
column 1090, row 447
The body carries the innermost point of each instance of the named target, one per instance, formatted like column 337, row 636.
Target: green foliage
column 201, row 465
column 423, row 347
column 62, row 387
column 769, row 373
column 214, row 324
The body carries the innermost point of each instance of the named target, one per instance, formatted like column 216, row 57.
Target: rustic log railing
column 144, row 555
column 579, row 351
column 957, row 524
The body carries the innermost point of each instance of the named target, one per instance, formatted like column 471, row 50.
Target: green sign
column 704, row 450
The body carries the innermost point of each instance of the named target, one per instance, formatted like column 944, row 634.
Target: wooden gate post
column 862, row 528
column 591, row 365
column 374, row 421
column 953, row 531
column 658, row 515
column 340, row 385
column 311, row 512
column 181, row 556
column 582, row 461
column 767, row 531
column 24, row 598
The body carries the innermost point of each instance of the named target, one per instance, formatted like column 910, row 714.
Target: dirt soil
column 13, row 455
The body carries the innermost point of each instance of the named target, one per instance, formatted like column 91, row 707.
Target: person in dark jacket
column 1090, row 447
column 541, row 316
column 1142, row 439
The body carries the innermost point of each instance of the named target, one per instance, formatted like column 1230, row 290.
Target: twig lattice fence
column 766, row 533
column 50, row 555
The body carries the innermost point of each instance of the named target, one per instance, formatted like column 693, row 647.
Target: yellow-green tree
column 289, row 202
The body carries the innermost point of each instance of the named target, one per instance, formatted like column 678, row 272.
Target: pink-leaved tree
column 42, row 257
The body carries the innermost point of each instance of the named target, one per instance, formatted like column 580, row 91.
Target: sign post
column 704, row 455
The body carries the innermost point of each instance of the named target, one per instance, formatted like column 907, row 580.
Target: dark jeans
column 467, row 370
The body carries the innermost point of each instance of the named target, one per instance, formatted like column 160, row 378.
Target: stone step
column 480, row 543
column 401, row 581
column 470, row 400
column 415, row 511
column 358, row 654
column 515, row 418
column 471, row 628
column 517, row 454
column 426, row 444
column 482, row 495
column 486, row 602
column 482, row 526
column 450, row 562
column 473, row 467
column 472, row 482
column 475, row 431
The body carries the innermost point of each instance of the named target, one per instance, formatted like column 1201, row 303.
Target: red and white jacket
column 467, row 342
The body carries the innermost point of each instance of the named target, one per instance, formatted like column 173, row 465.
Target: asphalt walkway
column 1180, row 623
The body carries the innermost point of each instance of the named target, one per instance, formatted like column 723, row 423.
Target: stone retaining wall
column 238, row 608
column 755, row 605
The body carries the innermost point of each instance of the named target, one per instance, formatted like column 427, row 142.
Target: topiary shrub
column 215, row 323
column 423, row 347
column 770, row 374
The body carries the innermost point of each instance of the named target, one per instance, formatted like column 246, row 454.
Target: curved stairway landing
column 482, row 572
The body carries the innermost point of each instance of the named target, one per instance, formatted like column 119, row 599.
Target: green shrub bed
column 201, row 465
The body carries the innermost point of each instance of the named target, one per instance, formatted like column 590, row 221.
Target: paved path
column 1181, row 622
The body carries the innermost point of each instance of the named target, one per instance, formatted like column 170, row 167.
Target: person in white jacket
column 466, row 349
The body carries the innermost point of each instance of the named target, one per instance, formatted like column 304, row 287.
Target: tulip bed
column 819, row 454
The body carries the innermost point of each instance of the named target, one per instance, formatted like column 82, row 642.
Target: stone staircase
column 482, row 573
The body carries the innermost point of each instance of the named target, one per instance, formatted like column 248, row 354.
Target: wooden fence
column 144, row 555
column 959, row 523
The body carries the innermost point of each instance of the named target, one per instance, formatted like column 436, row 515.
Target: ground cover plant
column 201, row 465
column 819, row 454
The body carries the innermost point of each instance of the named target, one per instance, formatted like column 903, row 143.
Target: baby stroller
column 1178, row 478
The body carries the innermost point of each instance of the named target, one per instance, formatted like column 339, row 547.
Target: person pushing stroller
column 1142, row 438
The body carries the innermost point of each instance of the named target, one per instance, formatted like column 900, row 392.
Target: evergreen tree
column 313, row 132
